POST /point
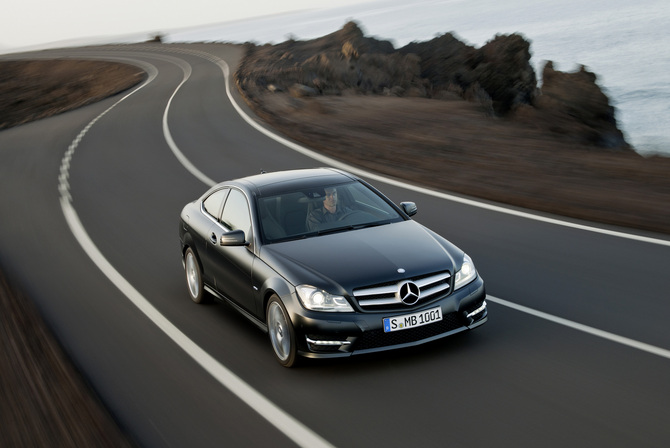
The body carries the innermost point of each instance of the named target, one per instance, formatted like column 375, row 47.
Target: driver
column 330, row 211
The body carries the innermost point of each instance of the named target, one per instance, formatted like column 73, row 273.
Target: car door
column 232, row 265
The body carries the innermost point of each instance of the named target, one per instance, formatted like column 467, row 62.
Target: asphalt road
column 576, row 351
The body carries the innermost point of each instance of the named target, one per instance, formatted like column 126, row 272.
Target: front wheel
column 193, row 277
column 282, row 335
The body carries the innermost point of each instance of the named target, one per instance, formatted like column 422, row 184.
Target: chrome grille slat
column 376, row 291
column 433, row 279
column 378, row 302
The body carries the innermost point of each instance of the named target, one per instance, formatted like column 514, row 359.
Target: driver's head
column 330, row 201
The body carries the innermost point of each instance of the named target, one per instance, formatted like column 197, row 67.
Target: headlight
column 317, row 300
column 467, row 273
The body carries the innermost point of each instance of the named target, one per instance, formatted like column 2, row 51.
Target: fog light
column 320, row 345
column 477, row 311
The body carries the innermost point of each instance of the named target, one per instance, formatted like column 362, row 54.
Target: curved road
column 576, row 351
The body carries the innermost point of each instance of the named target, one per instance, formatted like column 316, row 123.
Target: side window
column 236, row 213
column 212, row 204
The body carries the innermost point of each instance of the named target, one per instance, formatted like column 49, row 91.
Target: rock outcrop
column 498, row 76
column 573, row 104
column 501, row 69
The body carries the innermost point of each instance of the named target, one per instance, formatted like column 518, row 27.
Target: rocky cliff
column 498, row 76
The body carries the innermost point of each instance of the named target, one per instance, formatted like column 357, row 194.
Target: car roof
column 283, row 181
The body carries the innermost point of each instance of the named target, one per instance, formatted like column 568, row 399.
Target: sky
column 27, row 23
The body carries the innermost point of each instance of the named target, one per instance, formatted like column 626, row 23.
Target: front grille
column 385, row 296
column 377, row 338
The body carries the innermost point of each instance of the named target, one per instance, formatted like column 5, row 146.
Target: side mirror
column 409, row 208
column 233, row 238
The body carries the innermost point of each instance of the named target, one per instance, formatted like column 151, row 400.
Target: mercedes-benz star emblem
column 408, row 293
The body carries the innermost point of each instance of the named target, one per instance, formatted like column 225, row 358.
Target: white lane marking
column 292, row 428
column 585, row 328
column 186, row 68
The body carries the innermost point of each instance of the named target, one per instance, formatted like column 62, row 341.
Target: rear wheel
column 193, row 277
column 282, row 335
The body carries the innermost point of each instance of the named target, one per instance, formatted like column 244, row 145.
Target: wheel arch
column 187, row 241
column 280, row 287
column 187, row 244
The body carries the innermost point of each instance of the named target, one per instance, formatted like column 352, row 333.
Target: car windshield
column 321, row 210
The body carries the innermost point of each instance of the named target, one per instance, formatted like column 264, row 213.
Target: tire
column 282, row 334
column 194, row 277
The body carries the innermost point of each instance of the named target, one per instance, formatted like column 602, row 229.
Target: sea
column 626, row 44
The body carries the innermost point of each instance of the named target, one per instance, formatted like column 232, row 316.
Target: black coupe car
column 327, row 265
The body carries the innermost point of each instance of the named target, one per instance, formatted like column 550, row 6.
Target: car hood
column 343, row 261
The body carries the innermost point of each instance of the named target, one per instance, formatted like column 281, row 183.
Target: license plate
column 412, row 320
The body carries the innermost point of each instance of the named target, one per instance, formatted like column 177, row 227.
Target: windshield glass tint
column 325, row 209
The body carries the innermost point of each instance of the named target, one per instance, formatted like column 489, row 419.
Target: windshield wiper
column 351, row 227
column 371, row 224
column 335, row 230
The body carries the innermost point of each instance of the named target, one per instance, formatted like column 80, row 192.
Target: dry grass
column 30, row 90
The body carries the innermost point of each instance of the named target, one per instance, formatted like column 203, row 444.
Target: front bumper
column 325, row 335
